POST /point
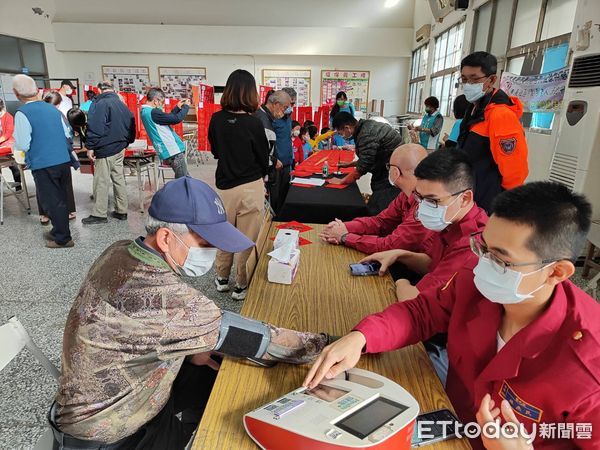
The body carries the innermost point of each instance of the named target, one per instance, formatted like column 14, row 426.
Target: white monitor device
column 358, row 409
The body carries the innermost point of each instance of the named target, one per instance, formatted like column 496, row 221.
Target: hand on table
column 333, row 232
column 386, row 259
column 488, row 414
column 336, row 358
column 336, row 181
column 204, row 359
column 90, row 155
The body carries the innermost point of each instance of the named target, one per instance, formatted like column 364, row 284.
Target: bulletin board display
column 300, row 80
column 127, row 78
column 355, row 83
column 177, row 81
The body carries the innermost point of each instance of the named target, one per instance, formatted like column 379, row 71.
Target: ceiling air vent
column 585, row 72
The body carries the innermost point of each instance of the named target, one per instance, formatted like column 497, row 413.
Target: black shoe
column 120, row 216
column 93, row 220
column 54, row 244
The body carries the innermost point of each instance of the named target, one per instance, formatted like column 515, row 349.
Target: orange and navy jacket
column 492, row 136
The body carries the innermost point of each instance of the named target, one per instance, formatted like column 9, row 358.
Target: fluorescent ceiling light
column 391, row 3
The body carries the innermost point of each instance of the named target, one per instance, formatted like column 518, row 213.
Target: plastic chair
column 13, row 338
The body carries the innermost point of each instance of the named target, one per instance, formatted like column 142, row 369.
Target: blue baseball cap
column 195, row 204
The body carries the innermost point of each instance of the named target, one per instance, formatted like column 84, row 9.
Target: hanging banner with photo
column 538, row 93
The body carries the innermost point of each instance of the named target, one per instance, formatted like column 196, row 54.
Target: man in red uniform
column 396, row 226
column 491, row 133
column 444, row 190
column 523, row 341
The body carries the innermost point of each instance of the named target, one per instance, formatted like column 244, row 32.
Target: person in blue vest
column 43, row 135
column 284, row 150
column 168, row 145
column 431, row 125
column 459, row 108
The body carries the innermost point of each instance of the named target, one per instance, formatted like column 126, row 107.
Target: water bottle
column 325, row 169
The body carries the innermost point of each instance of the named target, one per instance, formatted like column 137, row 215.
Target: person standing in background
column 491, row 133
column 42, row 134
column 7, row 126
column 239, row 144
column 459, row 108
column 341, row 105
column 66, row 91
column 284, row 150
column 111, row 128
column 158, row 125
column 431, row 125
column 85, row 106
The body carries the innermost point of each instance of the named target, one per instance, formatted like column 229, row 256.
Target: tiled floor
column 38, row 286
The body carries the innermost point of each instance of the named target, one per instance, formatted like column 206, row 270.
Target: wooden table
column 323, row 298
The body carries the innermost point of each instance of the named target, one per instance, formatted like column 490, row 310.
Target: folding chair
column 13, row 338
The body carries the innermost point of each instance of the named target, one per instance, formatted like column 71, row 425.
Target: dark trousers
column 189, row 396
column 15, row 173
column 70, row 197
column 383, row 194
column 52, row 185
column 278, row 190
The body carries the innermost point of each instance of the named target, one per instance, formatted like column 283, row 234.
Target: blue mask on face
column 289, row 110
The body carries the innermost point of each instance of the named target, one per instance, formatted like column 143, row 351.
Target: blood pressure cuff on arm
column 242, row 337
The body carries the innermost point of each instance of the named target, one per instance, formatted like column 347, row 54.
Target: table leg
column 1, row 198
column 140, row 185
column 589, row 257
column 155, row 173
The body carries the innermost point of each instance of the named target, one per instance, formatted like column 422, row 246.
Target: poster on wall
column 177, row 81
column 538, row 93
column 128, row 78
column 355, row 83
column 297, row 79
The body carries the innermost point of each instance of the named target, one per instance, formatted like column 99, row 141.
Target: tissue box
column 285, row 237
column 283, row 273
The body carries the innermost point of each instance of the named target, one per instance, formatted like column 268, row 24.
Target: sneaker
column 239, row 293
column 93, row 220
column 120, row 216
column 222, row 284
column 54, row 244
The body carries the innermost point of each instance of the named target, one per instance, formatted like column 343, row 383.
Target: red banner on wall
column 204, row 115
column 262, row 93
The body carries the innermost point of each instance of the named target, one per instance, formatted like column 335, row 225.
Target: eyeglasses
column 433, row 201
column 464, row 81
column 388, row 166
column 480, row 248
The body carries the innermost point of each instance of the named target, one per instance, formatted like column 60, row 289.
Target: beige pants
column 107, row 170
column 244, row 206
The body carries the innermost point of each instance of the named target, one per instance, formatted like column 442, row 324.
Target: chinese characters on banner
column 262, row 93
column 354, row 83
column 297, row 79
column 177, row 81
column 127, row 79
column 538, row 93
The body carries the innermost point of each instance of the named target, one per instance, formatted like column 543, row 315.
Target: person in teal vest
column 166, row 142
column 431, row 125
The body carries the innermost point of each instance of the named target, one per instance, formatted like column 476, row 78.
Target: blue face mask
column 288, row 110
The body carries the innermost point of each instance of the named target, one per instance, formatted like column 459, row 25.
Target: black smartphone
column 435, row 426
column 364, row 269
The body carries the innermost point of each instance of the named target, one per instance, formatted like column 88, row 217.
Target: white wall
column 388, row 75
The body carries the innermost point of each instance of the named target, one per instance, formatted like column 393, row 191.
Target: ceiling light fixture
column 391, row 3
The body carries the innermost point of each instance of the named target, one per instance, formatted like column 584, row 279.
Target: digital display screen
column 369, row 418
column 326, row 393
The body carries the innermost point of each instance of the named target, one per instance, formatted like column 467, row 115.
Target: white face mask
column 68, row 91
column 473, row 92
column 392, row 182
column 198, row 261
column 296, row 133
column 433, row 218
column 499, row 287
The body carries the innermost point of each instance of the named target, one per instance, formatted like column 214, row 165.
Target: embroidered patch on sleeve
column 508, row 145
column 519, row 405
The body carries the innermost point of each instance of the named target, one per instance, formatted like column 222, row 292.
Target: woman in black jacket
column 238, row 142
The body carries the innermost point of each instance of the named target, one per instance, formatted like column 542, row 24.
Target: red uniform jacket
column 298, row 150
column 7, row 127
column 394, row 227
column 450, row 249
column 549, row 371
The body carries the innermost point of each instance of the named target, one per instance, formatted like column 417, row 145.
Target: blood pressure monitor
column 359, row 409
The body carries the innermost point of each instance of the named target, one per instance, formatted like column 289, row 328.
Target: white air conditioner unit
column 423, row 33
column 441, row 8
column 576, row 158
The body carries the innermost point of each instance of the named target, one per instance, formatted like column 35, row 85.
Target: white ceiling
column 277, row 13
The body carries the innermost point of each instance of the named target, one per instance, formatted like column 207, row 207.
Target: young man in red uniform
column 394, row 227
column 523, row 341
column 491, row 132
column 444, row 191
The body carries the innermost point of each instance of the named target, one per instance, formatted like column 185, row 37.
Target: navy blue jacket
column 283, row 131
column 110, row 126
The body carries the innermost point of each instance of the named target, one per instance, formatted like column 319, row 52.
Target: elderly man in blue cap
column 138, row 341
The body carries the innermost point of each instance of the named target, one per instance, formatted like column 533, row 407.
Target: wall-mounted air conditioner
column 423, row 33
